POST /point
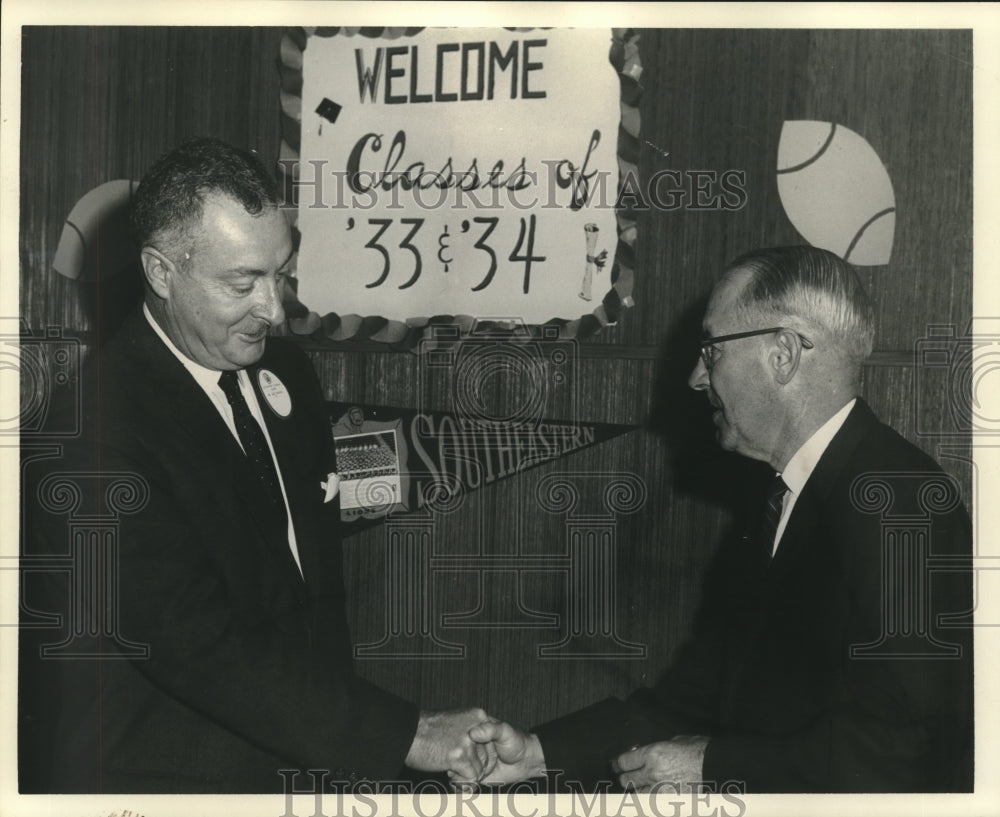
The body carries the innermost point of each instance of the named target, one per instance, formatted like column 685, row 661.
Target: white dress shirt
column 803, row 462
column 208, row 379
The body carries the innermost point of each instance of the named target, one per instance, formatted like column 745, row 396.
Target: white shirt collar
column 208, row 379
column 803, row 461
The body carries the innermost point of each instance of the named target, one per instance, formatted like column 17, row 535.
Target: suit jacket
column 249, row 666
column 831, row 667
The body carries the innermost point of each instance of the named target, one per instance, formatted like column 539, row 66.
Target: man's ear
column 158, row 269
column 785, row 356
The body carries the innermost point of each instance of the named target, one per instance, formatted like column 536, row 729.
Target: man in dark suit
column 834, row 652
column 204, row 641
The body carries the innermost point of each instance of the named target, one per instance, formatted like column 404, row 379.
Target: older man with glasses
column 832, row 657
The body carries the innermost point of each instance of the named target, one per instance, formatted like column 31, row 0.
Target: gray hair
column 815, row 286
column 170, row 199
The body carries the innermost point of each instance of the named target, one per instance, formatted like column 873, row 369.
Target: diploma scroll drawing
column 594, row 262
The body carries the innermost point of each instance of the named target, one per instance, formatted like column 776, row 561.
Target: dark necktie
column 254, row 442
column 772, row 512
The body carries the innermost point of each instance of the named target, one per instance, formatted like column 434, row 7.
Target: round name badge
column 274, row 391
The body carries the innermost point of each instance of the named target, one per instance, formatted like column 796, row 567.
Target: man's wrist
column 534, row 757
column 422, row 738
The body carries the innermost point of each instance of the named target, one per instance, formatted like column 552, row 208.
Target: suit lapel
column 803, row 531
column 172, row 393
column 287, row 435
column 294, row 440
column 283, row 431
column 800, row 532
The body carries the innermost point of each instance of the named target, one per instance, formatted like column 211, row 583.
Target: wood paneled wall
column 101, row 104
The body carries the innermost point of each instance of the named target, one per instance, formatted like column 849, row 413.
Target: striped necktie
column 772, row 511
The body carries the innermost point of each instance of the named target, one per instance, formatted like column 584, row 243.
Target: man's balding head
column 811, row 286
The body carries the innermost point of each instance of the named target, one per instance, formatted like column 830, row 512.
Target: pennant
column 392, row 460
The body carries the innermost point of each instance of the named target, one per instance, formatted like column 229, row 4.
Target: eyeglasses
column 710, row 354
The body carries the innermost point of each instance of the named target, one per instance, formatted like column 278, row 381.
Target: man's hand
column 519, row 755
column 677, row 761
column 442, row 743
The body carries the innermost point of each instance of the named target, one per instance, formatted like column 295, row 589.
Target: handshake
column 476, row 749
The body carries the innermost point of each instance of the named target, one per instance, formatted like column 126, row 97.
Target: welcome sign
column 457, row 172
